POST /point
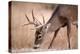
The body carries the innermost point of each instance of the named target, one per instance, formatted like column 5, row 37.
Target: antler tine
column 28, row 21
column 39, row 22
column 43, row 19
column 27, row 18
column 35, row 18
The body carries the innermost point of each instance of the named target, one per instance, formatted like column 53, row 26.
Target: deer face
column 40, row 30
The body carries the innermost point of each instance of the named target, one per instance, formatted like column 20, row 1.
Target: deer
column 61, row 17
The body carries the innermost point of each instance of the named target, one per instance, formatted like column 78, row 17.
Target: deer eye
column 39, row 37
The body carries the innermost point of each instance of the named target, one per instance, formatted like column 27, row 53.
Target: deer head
column 40, row 29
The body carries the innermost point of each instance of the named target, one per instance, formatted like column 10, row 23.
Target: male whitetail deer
column 62, row 15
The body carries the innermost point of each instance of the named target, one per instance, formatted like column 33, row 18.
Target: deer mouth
column 36, row 46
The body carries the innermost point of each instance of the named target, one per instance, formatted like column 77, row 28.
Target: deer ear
column 47, row 26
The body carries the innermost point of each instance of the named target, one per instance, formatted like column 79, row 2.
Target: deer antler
column 29, row 21
column 35, row 21
column 43, row 19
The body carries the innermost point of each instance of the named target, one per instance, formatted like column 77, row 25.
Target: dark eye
column 39, row 37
